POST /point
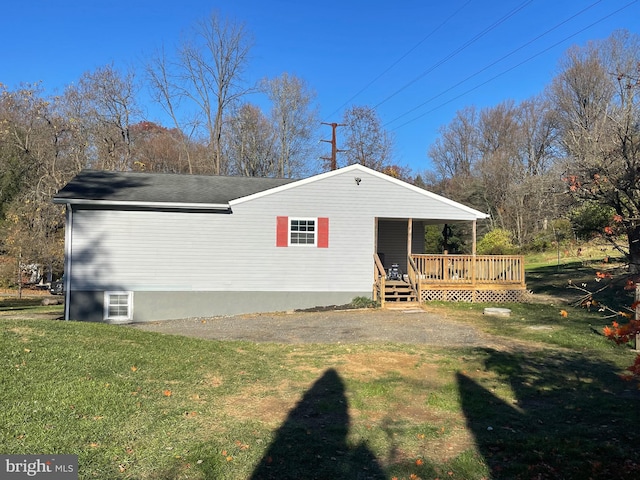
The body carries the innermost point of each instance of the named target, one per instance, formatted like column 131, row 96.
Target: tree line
column 569, row 154
column 565, row 163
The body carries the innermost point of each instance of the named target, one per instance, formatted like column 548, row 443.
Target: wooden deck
column 466, row 278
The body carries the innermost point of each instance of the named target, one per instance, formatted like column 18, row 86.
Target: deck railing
column 470, row 269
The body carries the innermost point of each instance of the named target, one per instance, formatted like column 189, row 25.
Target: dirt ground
column 344, row 326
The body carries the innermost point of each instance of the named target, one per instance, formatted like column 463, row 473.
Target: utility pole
column 334, row 149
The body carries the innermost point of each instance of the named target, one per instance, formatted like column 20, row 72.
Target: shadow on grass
column 311, row 444
column 573, row 418
column 555, row 280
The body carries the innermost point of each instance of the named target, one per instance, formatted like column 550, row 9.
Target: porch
column 461, row 278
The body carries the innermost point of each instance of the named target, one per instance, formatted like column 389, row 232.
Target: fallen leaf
column 134, row 368
column 167, row 393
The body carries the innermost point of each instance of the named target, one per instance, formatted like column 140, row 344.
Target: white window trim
column 315, row 232
column 120, row 318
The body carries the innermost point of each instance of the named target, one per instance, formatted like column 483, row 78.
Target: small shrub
column 364, row 302
column 497, row 242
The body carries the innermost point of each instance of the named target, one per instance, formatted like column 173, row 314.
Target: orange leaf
column 134, row 368
column 167, row 393
column 419, row 462
column 564, row 313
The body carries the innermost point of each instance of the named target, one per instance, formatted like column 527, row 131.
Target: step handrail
column 412, row 274
column 379, row 279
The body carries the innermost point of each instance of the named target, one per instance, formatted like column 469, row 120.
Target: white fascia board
column 478, row 214
column 287, row 186
column 120, row 203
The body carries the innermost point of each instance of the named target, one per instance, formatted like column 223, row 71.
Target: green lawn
column 140, row 405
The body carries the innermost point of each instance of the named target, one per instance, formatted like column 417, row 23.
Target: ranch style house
column 142, row 247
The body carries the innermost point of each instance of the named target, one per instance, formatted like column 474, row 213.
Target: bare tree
column 597, row 94
column 105, row 104
column 207, row 73
column 295, row 121
column 367, row 143
column 455, row 153
column 251, row 143
column 166, row 93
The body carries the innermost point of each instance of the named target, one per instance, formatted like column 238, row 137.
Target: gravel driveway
column 345, row 326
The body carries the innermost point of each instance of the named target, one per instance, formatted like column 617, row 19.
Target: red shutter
column 323, row 233
column 282, row 232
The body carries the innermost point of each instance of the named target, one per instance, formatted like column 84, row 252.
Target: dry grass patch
column 267, row 403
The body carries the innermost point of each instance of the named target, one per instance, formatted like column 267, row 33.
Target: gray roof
column 100, row 187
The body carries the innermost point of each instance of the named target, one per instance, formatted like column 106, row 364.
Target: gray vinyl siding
column 165, row 251
column 417, row 240
column 392, row 242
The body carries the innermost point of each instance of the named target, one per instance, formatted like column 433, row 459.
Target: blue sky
column 416, row 61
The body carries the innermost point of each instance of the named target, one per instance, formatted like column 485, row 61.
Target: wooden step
column 404, row 306
column 397, row 291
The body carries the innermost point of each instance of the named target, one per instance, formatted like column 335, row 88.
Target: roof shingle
column 99, row 185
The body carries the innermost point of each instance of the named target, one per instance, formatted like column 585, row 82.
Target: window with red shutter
column 302, row 231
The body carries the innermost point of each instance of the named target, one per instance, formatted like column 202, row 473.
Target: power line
column 518, row 65
column 458, row 50
column 493, row 63
column 442, row 24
